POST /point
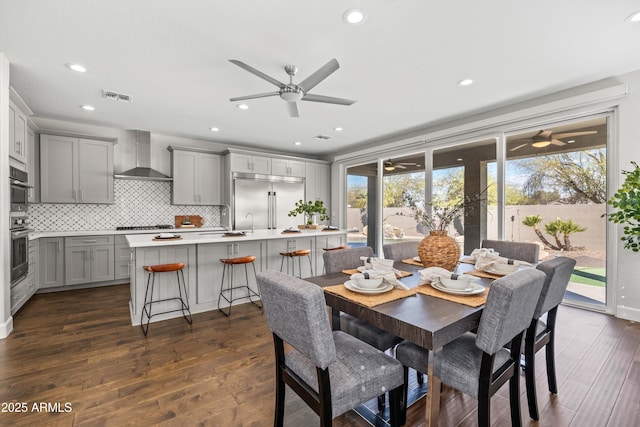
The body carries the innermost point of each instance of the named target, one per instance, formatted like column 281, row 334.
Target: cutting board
column 196, row 220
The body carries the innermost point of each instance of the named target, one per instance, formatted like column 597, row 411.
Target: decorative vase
column 439, row 249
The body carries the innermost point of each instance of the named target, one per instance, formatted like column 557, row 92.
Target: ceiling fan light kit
column 290, row 92
column 545, row 138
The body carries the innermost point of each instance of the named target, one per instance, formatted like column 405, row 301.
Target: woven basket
column 438, row 249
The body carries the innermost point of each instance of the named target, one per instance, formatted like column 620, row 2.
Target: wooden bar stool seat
column 229, row 264
column 178, row 268
column 289, row 256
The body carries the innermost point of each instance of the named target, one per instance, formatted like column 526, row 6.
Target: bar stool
column 289, row 256
column 336, row 248
column 148, row 296
column 229, row 264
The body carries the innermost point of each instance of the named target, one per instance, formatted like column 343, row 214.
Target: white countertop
column 204, row 236
column 40, row 234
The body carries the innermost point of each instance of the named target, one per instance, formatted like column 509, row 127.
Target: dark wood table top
column 428, row 321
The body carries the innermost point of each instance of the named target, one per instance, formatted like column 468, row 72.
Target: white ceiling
column 401, row 65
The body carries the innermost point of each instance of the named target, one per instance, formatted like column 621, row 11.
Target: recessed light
column 571, row 141
column 214, row 129
column 338, row 129
column 297, row 143
column 354, row 16
column 87, row 107
column 79, row 68
column 459, row 159
column 634, row 17
column 243, row 106
column 465, row 82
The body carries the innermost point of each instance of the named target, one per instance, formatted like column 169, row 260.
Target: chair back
column 336, row 261
column 558, row 271
column 515, row 250
column 509, row 308
column 400, row 251
column 296, row 312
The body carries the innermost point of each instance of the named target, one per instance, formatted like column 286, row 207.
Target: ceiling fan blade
column 320, row 74
column 260, row 74
column 260, row 95
column 519, row 146
column 571, row 134
column 400, row 165
column 406, row 164
column 327, row 99
column 292, row 107
column 555, row 141
column 543, row 134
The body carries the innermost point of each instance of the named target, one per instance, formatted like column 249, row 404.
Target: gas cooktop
column 145, row 227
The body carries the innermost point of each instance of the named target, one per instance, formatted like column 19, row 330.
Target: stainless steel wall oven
column 19, row 248
column 19, row 190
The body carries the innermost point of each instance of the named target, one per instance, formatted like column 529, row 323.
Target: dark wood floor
column 78, row 348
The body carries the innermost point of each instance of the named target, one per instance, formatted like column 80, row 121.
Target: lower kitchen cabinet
column 89, row 259
column 51, row 262
column 328, row 241
column 122, row 258
column 210, row 267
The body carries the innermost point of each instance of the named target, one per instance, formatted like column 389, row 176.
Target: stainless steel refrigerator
column 264, row 201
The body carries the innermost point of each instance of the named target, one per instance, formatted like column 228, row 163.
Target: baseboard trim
column 6, row 328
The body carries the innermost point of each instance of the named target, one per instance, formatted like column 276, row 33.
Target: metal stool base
column 148, row 302
column 229, row 289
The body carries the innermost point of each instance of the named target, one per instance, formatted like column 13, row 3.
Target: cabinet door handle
column 58, row 246
column 82, row 195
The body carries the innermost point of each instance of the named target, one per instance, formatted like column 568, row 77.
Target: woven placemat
column 412, row 262
column 470, row 300
column 369, row 300
column 400, row 274
column 480, row 273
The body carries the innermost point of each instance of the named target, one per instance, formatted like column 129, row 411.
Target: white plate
column 162, row 236
column 497, row 272
column 475, row 289
column 386, row 287
column 417, row 258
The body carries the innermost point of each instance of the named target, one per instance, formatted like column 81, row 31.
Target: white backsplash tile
column 136, row 203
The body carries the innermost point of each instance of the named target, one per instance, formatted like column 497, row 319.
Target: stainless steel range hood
column 143, row 170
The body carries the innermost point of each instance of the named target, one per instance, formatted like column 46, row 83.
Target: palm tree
column 533, row 221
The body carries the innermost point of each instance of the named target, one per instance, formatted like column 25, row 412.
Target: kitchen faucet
column 247, row 216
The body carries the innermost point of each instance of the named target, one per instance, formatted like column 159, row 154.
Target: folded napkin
column 386, row 275
column 473, row 257
column 433, row 274
column 373, row 263
column 487, row 260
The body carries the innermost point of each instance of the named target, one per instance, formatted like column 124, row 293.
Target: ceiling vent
column 115, row 96
column 324, row 137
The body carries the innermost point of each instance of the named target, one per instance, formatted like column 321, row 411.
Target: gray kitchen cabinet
column 51, row 262
column 287, row 167
column 17, row 133
column 317, row 184
column 323, row 242
column 122, row 258
column 89, row 259
column 75, row 170
column 241, row 162
column 197, row 177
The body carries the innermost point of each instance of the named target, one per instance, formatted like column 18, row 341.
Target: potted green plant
column 309, row 210
column 627, row 201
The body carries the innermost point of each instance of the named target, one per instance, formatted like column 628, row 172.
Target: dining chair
column 400, row 251
column 478, row 364
column 335, row 262
column 541, row 333
column 331, row 371
column 515, row 250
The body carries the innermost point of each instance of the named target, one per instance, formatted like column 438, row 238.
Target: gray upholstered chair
column 332, row 372
column 335, row 262
column 542, row 333
column 400, row 251
column 478, row 364
column 515, row 250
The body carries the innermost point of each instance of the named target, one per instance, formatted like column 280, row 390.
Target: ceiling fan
column 546, row 137
column 291, row 92
column 391, row 166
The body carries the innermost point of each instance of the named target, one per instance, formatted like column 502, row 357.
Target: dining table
column 427, row 320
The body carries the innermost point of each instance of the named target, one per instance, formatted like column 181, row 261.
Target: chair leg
column 280, row 391
column 514, row 398
column 530, row 370
column 550, row 351
column 405, row 397
column 397, row 407
column 420, row 377
column 381, row 402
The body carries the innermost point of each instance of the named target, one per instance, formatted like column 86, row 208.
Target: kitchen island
column 201, row 251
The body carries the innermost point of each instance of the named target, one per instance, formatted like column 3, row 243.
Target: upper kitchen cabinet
column 196, row 177
column 241, row 162
column 75, row 170
column 286, row 167
column 318, row 182
column 17, row 131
